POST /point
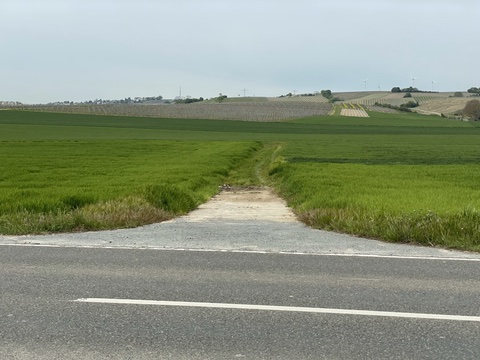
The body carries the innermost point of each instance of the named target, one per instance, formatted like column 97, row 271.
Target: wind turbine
column 413, row 80
column 365, row 81
column 433, row 82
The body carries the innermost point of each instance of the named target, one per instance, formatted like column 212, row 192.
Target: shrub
column 404, row 107
column 410, row 104
column 188, row 100
column 474, row 90
column 458, row 94
column 472, row 110
column 326, row 94
column 410, row 89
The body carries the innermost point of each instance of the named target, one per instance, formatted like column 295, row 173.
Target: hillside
column 265, row 108
column 429, row 103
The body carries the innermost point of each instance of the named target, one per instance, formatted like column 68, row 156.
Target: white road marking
column 272, row 252
column 282, row 308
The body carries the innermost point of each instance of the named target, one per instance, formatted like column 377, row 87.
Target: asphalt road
column 41, row 316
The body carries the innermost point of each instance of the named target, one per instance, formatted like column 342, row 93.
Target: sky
column 77, row 50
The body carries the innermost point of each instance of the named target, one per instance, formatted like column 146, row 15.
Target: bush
column 410, row 89
column 404, row 107
column 474, row 90
column 221, row 98
column 326, row 94
column 407, row 95
column 188, row 100
column 409, row 105
column 458, row 94
column 472, row 110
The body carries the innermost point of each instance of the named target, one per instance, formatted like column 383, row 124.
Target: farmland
column 353, row 110
column 397, row 177
column 267, row 109
column 50, row 186
column 438, row 106
column 247, row 109
column 367, row 99
column 430, row 103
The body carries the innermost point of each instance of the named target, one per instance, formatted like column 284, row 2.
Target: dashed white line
column 281, row 308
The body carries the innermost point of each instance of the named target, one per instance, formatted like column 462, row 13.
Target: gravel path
column 237, row 220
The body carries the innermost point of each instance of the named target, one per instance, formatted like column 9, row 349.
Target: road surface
column 97, row 303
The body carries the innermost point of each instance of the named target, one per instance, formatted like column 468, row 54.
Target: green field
column 397, row 177
column 71, row 185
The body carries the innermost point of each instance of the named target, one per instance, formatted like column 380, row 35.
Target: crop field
column 241, row 99
column 447, row 106
column 396, row 177
column 348, row 96
column 354, row 110
column 371, row 98
column 228, row 110
column 263, row 109
column 301, row 99
column 430, row 103
column 64, row 185
column 424, row 97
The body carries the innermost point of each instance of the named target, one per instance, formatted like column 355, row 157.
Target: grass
column 49, row 186
column 402, row 203
column 396, row 177
column 397, row 187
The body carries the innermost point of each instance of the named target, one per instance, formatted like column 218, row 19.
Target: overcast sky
column 55, row 50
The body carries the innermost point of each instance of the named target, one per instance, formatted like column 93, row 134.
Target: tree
column 472, row 110
column 474, row 90
column 396, row 89
column 326, row 94
column 221, row 97
column 410, row 89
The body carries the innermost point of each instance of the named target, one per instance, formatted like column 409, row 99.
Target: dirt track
column 243, row 204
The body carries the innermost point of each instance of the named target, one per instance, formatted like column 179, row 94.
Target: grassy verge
column 453, row 230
